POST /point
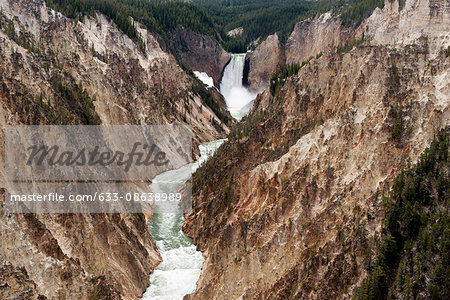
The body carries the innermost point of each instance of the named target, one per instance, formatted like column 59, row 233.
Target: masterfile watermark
column 98, row 196
column 70, row 169
column 148, row 156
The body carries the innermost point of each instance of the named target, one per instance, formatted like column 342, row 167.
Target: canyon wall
column 200, row 52
column 319, row 34
column 263, row 62
column 312, row 36
column 54, row 70
column 130, row 85
column 291, row 206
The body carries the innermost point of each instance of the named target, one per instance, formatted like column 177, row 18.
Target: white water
column 238, row 97
column 205, row 78
column 181, row 264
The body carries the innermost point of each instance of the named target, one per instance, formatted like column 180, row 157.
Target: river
column 181, row 264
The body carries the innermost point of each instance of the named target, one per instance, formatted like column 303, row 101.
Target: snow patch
column 205, row 78
column 326, row 16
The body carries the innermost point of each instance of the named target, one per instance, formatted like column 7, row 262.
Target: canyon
column 200, row 52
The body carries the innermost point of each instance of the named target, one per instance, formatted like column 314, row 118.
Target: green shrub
column 159, row 17
column 398, row 127
column 282, row 73
column 22, row 39
column 348, row 46
column 78, row 100
column 358, row 10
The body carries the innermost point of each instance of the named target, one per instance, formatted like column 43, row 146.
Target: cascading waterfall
column 239, row 99
column 181, row 264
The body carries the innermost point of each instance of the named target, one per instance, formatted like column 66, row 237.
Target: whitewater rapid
column 239, row 99
column 181, row 264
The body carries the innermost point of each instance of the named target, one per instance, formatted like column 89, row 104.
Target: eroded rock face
column 200, row 52
column 77, row 256
column 312, row 36
column 16, row 284
column 263, row 62
column 407, row 22
column 130, row 86
column 289, row 207
column 321, row 34
column 83, row 256
column 236, row 32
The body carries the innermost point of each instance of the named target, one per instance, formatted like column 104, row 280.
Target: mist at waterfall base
column 238, row 98
column 181, row 264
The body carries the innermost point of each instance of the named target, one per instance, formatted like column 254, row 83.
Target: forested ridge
column 158, row 17
column 258, row 18
column 412, row 259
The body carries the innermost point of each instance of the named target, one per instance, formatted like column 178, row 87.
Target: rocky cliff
column 312, row 36
column 200, row 52
column 319, row 34
column 290, row 207
column 129, row 85
column 54, row 70
column 263, row 62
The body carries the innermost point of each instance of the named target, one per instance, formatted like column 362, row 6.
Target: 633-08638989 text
column 144, row 197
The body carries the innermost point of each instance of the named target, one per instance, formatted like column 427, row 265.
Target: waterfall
column 238, row 98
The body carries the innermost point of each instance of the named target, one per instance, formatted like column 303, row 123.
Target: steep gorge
column 290, row 207
column 200, row 52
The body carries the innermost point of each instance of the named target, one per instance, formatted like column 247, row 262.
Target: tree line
column 158, row 17
column 259, row 18
column 413, row 255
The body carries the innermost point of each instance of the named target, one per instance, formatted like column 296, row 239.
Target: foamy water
column 181, row 264
column 237, row 97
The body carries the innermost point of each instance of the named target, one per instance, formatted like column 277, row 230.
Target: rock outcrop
column 200, row 52
column 236, row 32
column 129, row 86
column 290, row 207
column 76, row 256
column 312, row 36
column 263, row 62
column 404, row 23
column 16, row 283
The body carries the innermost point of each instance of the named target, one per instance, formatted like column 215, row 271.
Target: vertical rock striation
column 312, row 36
column 263, row 62
column 290, row 207
column 200, row 52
